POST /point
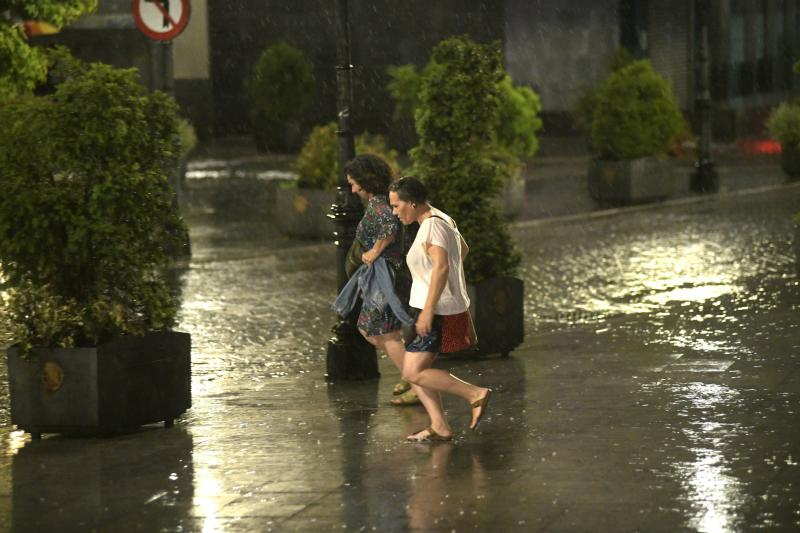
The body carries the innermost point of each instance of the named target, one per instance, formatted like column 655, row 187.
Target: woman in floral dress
column 379, row 232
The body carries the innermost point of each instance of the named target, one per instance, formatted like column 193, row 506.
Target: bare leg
column 417, row 369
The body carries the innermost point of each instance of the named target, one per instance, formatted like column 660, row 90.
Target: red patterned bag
column 458, row 332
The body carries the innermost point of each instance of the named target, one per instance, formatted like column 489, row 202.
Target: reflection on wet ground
column 657, row 390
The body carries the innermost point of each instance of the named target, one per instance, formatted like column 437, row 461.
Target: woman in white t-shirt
column 439, row 297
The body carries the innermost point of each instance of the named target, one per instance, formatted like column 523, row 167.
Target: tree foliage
column 517, row 123
column 460, row 103
column 635, row 114
column 21, row 65
column 86, row 214
column 280, row 88
column 317, row 164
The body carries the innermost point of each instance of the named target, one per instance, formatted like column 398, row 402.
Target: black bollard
column 349, row 356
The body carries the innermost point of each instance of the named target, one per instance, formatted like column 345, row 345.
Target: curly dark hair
column 371, row 172
column 410, row 189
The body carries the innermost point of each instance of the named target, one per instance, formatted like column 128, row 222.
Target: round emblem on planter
column 52, row 376
column 500, row 301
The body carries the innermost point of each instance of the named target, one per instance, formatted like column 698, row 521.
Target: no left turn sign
column 161, row 20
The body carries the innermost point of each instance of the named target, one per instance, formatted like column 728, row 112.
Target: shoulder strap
column 451, row 223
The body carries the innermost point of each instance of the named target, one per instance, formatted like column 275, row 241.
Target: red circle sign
column 161, row 20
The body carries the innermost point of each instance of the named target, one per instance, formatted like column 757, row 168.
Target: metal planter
column 111, row 388
column 497, row 307
column 647, row 179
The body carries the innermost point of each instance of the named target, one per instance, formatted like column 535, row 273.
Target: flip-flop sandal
column 432, row 436
column 401, row 387
column 483, row 403
column 406, row 399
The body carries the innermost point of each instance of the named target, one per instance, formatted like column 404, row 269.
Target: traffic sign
column 161, row 20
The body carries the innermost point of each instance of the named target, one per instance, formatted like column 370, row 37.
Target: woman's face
column 403, row 210
column 356, row 188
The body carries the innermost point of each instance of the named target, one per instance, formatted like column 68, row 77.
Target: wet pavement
column 657, row 390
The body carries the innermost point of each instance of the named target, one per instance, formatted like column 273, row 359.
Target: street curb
column 523, row 224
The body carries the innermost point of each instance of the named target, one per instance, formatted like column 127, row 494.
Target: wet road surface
column 657, row 390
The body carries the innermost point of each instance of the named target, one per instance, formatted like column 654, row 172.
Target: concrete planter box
column 631, row 182
column 497, row 308
column 304, row 212
column 511, row 199
column 790, row 162
column 114, row 387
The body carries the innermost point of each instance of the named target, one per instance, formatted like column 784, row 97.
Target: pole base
column 350, row 356
column 704, row 179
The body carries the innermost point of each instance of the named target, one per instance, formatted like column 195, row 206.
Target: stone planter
column 497, row 308
column 790, row 161
column 114, row 387
column 511, row 199
column 304, row 212
column 630, row 182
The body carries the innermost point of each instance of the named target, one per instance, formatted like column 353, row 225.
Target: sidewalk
column 668, row 404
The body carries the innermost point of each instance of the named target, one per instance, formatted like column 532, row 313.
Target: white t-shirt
column 454, row 299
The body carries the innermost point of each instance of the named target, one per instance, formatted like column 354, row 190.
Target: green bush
column 460, row 104
column 280, row 89
column 587, row 101
column 404, row 87
column 783, row 124
column 635, row 114
column 317, row 164
column 187, row 137
column 86, row 214
column 518, row 119
column 517, row 122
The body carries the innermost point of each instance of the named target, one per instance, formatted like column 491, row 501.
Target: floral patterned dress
column 379, row 223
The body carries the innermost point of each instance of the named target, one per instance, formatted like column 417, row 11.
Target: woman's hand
column 369, row 256
column 424, row 322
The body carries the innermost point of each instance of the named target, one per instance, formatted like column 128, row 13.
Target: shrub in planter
column 587, row 101
column 635, row 117
column 456, row 121
column 280, row 90
column 86, row 214
column 302, row 207
column 514, row 132
column 317, row 164
column 783, row 125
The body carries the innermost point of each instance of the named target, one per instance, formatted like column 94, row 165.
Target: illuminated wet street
column 658, row 389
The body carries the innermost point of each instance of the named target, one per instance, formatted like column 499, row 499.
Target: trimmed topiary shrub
column 517, row 122
column 456, row 121
column 317, row 164
column 587, row 101
column 635, row 114
column 86, row 214
column 280, row 90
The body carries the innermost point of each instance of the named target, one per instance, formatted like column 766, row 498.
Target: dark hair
column 410, row 189
column 371, row 172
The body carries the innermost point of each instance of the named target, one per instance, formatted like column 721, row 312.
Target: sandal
column 406, row 399
column 401, row 387
column 482, row 405
column 432, row 436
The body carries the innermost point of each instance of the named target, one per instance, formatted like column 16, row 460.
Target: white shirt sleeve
column 440, row 234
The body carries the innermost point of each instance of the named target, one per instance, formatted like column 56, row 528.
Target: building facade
column 560, row 49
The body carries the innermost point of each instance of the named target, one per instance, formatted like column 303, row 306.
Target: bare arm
column 373, row 253
column 439, row 273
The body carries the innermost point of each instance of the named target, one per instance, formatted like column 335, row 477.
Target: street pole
column 705, row 178
column 349, row 356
